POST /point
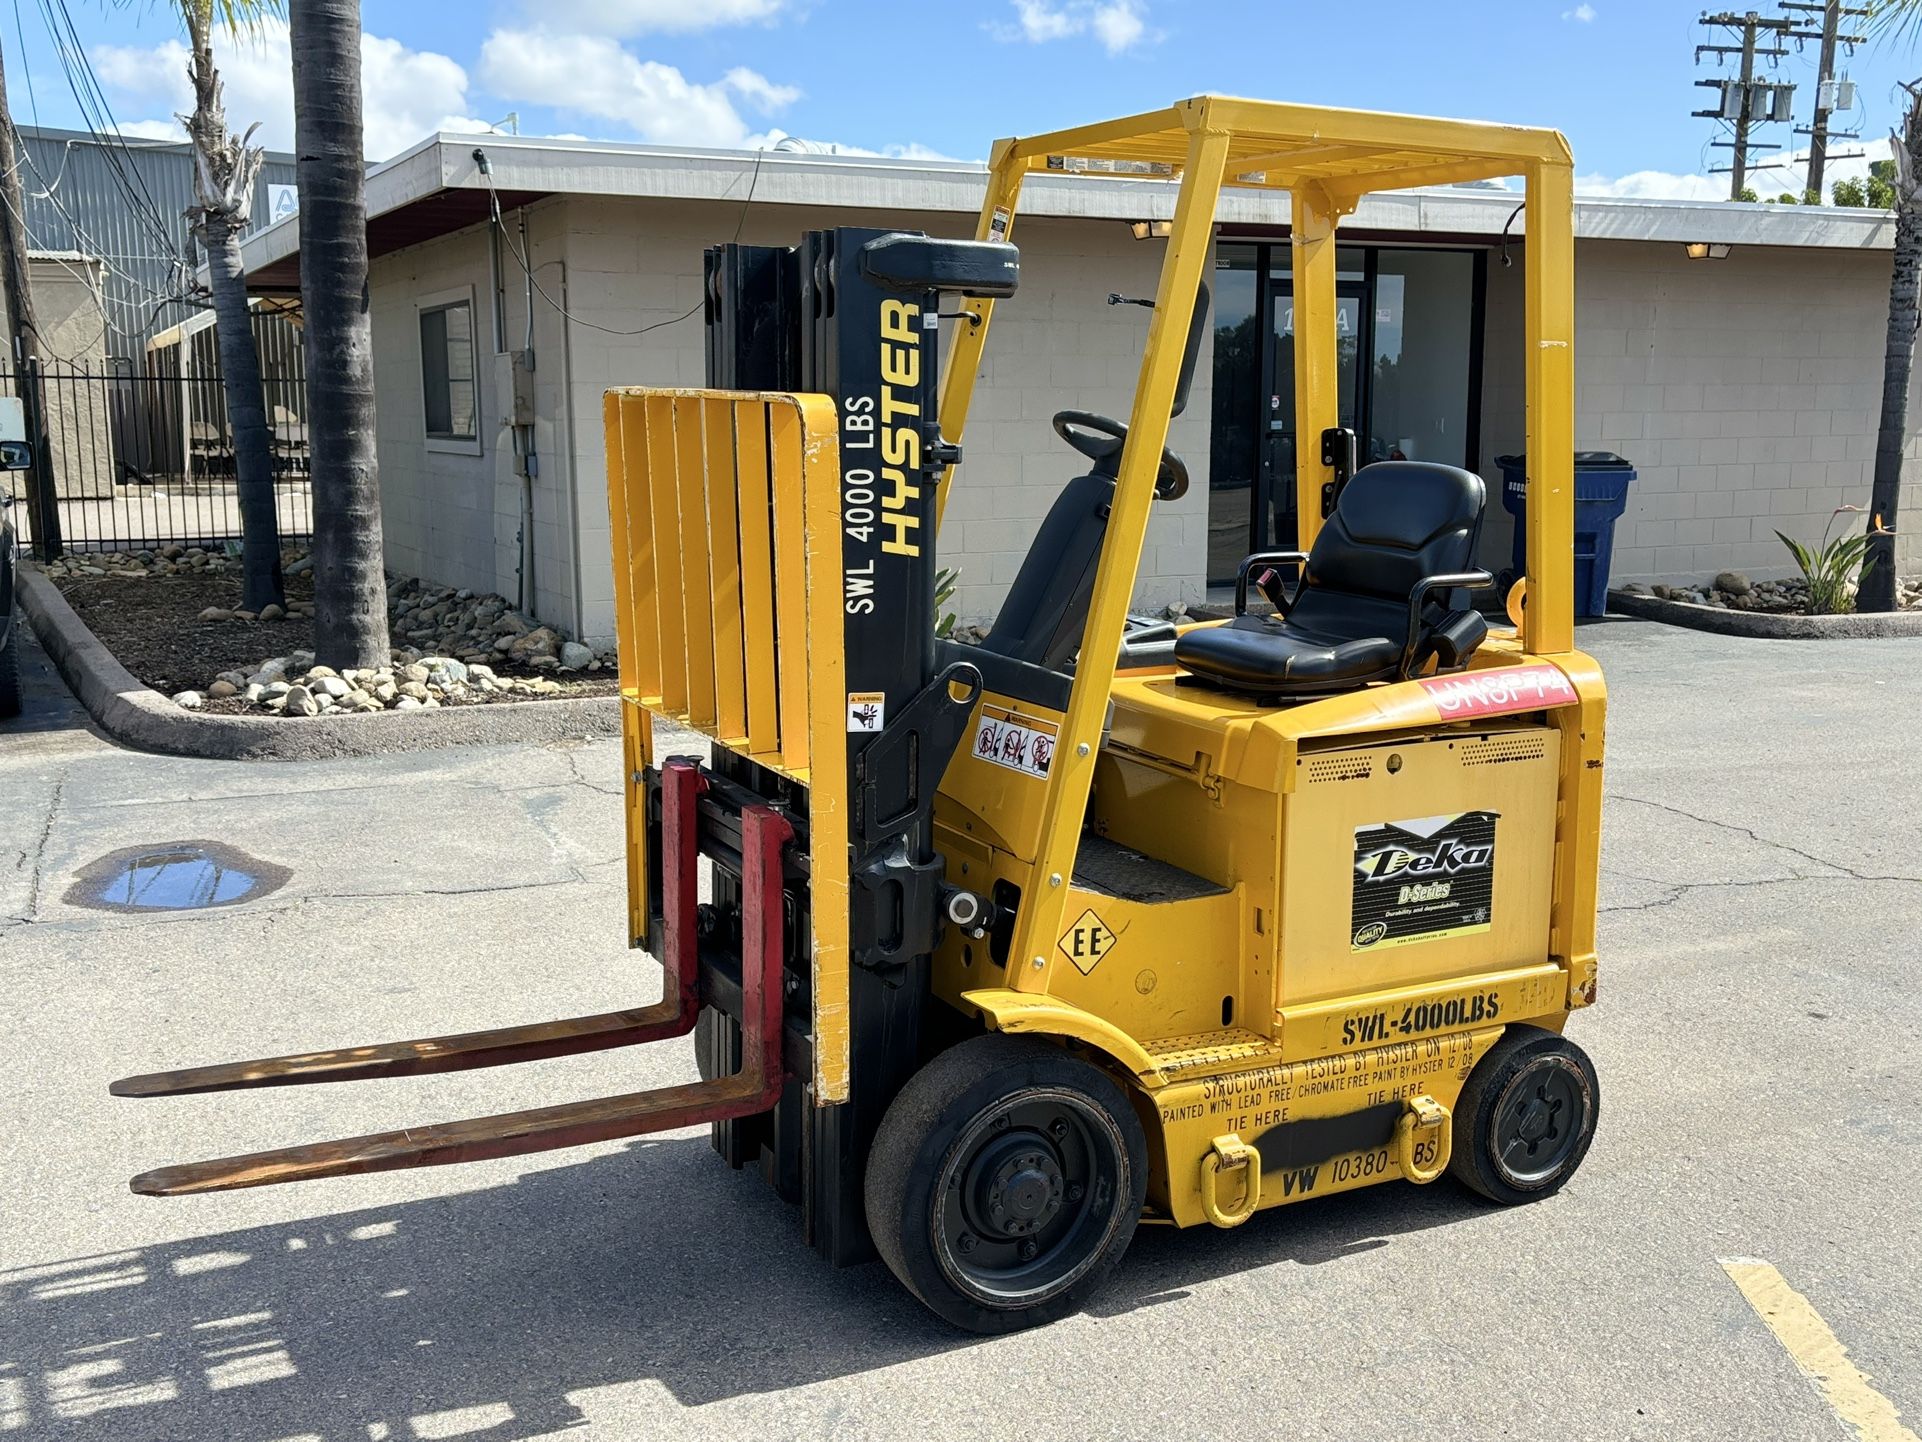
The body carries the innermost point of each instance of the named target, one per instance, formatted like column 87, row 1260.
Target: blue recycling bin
column 1601, row 495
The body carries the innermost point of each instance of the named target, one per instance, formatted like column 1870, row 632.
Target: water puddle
column 174, row 876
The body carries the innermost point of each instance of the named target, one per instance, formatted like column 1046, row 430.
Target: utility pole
column 24, row 334
column 1831, row 12
column 1740, row 105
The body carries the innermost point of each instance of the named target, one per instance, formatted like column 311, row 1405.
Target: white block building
column 1744, row 385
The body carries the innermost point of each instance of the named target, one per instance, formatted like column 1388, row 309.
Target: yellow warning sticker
column 1087, row 941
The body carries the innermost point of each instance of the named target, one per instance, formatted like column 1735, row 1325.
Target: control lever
column 1115, row 297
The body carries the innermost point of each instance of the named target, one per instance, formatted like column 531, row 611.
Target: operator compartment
column 1428, row 858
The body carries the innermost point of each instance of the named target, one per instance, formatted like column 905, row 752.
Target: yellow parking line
column 1817, row 1351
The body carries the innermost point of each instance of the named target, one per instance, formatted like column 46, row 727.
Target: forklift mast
column 853, row 314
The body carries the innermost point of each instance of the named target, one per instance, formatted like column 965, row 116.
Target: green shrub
column 1833, row 568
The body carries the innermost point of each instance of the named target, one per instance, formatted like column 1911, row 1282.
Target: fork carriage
column 1005, row 949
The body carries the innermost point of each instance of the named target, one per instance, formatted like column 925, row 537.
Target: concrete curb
column 136, row 715
column 1764, row 625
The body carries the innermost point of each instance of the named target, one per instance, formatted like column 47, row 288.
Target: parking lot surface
column 1757, row 1041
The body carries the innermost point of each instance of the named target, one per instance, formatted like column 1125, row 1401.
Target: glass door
column 1275, row 525
column 1409, row 367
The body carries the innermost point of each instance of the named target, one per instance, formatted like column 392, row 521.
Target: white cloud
column 1118, row 24
column 635, row 17
column 760, row 92
column 408, row 93
column 592, row 75
column 1583, row 14
column 909, row 151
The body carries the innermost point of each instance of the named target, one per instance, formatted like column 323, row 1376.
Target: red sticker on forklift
column 1422, row 879
column 1498, row 692
column 1020, row 743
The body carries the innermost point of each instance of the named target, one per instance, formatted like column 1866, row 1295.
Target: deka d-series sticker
column 1422, row 879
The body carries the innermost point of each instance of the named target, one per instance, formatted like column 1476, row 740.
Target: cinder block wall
column 449, row 513
column 1745, row 390
column 1057, row 345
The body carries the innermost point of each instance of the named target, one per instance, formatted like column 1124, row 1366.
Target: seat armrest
column 1263, row 558
column 1417, row 598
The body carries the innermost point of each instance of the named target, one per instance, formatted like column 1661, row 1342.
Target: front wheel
column 1526, row 1117
column 1005, row 1183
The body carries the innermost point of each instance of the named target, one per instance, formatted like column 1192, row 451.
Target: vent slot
column 1340, row 768
column 1500, row 750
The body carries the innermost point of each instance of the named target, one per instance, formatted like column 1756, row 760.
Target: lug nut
column 1028, row 1249
column 1058, row 1127
column 965, row 1241
column 1075, row 1192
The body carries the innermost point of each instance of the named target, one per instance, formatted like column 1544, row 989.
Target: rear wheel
column 10, row 672
column 1526, row 1117
column 1005, row 1183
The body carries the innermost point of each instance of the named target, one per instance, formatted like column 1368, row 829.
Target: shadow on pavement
column 477, row 1314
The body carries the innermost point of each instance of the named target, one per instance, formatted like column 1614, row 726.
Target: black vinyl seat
column 1381, row 594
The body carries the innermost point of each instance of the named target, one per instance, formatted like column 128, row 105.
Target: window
column 447, row 371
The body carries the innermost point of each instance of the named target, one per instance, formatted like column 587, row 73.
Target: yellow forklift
column 992, row 953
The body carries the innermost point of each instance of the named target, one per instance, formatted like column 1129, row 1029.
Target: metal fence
column 144, row 458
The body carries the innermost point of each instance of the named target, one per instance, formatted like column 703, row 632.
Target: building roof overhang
column 438, row 187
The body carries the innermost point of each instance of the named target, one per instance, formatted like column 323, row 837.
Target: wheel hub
column 1018, row 1184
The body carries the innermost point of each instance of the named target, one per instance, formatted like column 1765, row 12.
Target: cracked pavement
column 1757, row 1038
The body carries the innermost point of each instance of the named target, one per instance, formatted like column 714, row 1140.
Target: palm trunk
column 224, row 172
column 1877, row 589
column 261, row 583
column 350, row 593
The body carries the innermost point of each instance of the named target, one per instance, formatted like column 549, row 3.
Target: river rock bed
column 1734, row 591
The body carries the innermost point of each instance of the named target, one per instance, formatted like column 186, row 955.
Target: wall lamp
column 1158, row 229
column 1705, row 250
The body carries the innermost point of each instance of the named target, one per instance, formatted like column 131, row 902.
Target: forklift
column 992, row 953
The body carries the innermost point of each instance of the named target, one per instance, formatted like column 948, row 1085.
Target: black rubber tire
column 930, row 1134
column 10, row 671
column 1495, row 1097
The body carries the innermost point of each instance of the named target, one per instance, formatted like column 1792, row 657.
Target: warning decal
column 1423, row 879
column 1024, row 744
column 1087, row 941
column 867, row 710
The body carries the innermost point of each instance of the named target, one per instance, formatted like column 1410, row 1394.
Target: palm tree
column 1877, row 590
column 225, row 167
column 350, row 593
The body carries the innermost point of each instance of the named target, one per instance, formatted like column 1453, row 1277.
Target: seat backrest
column 1396, row 522
column 1047, row 606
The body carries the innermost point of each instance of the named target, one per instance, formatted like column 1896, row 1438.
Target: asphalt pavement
column 1757, row 1038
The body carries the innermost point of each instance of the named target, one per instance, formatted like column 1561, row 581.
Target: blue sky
column 917, row 77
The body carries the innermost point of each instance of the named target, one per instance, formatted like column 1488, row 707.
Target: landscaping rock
column 271, row 612
column 536, row 644
column 1733, row 582
column 574, row 656
column 330, row 686
column 191, row 700
column 300, row 702
column 216, row 613
column 221, row 690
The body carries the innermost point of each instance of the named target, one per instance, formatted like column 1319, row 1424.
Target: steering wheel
column 1100, row 438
